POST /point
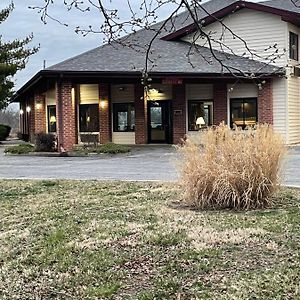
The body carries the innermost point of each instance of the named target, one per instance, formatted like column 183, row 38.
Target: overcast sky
column 57, row 42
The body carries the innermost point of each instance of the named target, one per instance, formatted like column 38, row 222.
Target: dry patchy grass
column 96, row 240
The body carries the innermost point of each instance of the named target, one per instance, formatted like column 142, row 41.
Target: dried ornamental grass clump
column 236, row 169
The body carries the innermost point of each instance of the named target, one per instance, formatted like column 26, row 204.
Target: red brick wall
column 39, row 114
column 220, row 103
column 104, row 114
column 140, row 104
column 265, row 103
column 66, row 128
column 179, row 119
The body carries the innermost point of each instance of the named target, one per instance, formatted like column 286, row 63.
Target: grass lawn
column 95, row 240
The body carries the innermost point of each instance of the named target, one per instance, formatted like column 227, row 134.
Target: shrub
column 231, row 168
column 112, row 148
column 4, row 132
column 19, row 149
column 44, row 142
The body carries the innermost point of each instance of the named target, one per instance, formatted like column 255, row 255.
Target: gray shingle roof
column 283, row 4
column 167, row 56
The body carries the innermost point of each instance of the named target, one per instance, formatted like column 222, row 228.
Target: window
column 243, row 112
column 198, row 109
column 293, row 46
column 89, row 118
column 51, row 115
column 123, row 117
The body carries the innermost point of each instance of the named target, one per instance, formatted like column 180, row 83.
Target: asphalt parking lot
column 148, row 163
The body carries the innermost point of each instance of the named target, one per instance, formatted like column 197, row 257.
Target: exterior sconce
column 121, row 88
column 28, row 109
column 21, row 112
column 102, row 104
column 38, row 106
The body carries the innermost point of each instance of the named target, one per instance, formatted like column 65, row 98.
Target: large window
column 123, row 117
column 200, row 114
column 89, row 118
column 51, row 116
column 294, row 46
column 243, row 112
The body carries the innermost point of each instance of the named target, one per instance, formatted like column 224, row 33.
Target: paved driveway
column 144, row 163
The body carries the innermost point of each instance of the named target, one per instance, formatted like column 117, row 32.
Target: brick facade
column 39, row 111
column 65, row 114
column 265, row 103
column 104, row 114
column 140, row 104
column 220, row 103
column 179, row 113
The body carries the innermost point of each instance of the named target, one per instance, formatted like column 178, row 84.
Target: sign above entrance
column 172, row 80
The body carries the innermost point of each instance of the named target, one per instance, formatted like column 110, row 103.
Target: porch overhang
column 43, row 76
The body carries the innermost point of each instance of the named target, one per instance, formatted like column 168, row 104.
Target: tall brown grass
column 237, row 169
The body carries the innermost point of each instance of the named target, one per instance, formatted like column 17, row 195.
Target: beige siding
column 199, row 92
column 122, row 93
column 50, row 97
column 280, row 107
column 126, row 138
column 89, row 93
column 294, row 110
column 260, row 30
column 247, row 90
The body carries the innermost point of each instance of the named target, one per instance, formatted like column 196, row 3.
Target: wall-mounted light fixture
column 102, row 103
column 122, row 88
column 38, row 106
column 21, row 111
column 28, row 109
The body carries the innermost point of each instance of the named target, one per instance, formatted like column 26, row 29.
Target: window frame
column 48, row 119
column 243, row 100
column 210, row 114
column 130, row 108
column 293, row 53
column 98, row 117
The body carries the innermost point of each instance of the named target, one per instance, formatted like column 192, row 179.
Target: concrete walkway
column 150, row 163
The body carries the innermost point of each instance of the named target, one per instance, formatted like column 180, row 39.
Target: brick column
column 104, row 114
column 220, row 103
column 265, row 103
column 39, row 114
column 30, row 116
column 140, row 105
column 179, row 118
column 65, row 111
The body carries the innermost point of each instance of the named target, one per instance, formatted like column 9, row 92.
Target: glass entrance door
column 159, row 122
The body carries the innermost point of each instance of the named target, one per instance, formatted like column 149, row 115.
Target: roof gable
column 272, row 7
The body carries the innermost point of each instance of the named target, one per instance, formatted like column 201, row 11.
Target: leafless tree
column 118, row 22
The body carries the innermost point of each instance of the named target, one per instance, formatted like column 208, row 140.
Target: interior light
column 200, row 121
column 52, row 119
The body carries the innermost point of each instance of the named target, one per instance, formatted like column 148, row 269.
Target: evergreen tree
column 13, row 57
